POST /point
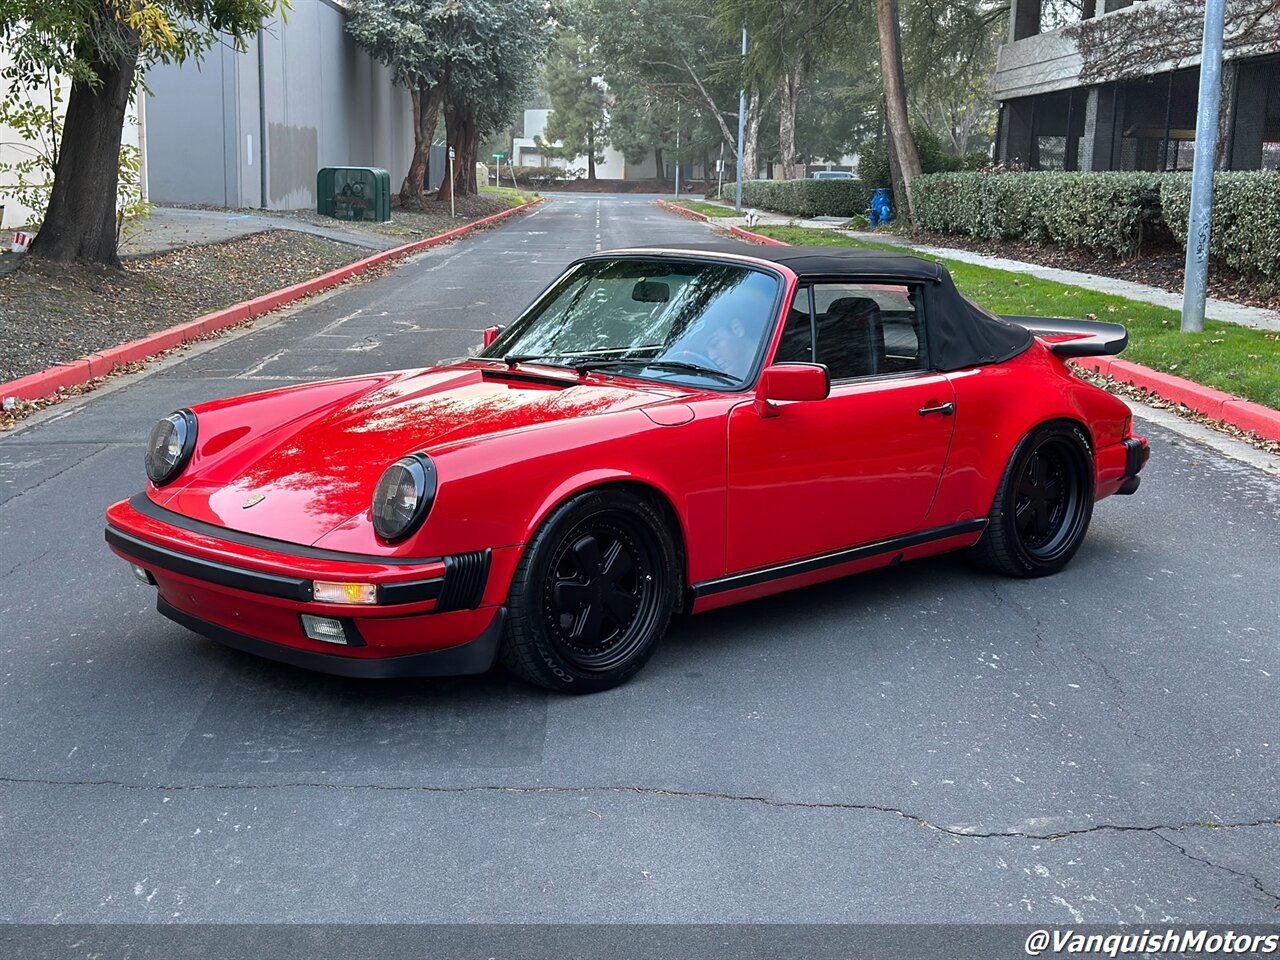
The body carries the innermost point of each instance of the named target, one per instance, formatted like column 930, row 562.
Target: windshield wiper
column 573, row 361
column 512, row 359
column 675, row 365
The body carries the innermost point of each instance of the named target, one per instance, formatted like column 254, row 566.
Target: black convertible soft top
column 961, row 334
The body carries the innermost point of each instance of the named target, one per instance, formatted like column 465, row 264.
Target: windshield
column 691, row 321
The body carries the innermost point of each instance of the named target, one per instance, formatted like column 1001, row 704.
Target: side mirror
column 491, row 334
column 791, row 381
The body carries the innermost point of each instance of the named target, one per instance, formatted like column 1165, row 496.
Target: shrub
column 1109, row 214
column 808, row 198
column 1245, row 230
column 541, row 176
column 873, row 159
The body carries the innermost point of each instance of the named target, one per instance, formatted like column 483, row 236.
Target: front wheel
column 592, row 595
column 1043, row 506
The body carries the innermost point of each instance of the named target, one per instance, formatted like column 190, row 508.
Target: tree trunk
column 659, row 168
column 902, row 145
column 426, row 113
column 788, row 104
column 457, row 136
column 751, row 137
column 80, row 223
column 470, row 185
column 591, row 151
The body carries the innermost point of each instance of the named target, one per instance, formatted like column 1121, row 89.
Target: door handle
column 946, row 409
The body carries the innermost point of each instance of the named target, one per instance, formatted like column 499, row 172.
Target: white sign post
column 453, row 183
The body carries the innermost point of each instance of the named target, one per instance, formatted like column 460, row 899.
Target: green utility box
column 354, row 193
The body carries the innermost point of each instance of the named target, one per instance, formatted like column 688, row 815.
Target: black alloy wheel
column 593, row 593
column 600, row 596
column 1044, row 504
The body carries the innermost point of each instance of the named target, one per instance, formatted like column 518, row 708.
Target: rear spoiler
column 1076, row 338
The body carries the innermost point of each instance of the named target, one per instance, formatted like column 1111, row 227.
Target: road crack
column 962, row 833
column 1257, row 883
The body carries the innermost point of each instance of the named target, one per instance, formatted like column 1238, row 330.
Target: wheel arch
column 620, row 480
column 1066, row 420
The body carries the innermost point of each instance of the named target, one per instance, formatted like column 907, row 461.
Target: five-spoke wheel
column 1043, row 506
column 593, row 593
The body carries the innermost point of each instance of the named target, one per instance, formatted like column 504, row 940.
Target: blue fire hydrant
column 881, row 208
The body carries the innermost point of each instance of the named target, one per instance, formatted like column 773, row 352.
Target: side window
column 796, row 344
column 868, row 329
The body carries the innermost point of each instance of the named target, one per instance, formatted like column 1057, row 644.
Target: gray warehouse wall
column 326, row 103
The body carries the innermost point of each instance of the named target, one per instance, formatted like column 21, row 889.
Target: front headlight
column 170, row 446
column 403, row 497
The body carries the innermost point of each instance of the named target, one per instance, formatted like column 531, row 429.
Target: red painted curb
column 48, row 382
column 1241, row 413
column 685, row 211
column 757, row 237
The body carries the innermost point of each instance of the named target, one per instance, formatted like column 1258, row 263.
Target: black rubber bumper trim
column 238, row 578
column 475, row 656
column 465, row 577
column 253, row 581
column 1136, row 455
column 751, row 578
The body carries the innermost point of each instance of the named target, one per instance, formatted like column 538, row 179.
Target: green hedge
column 806, row 198
column 1110, row 214
column 1245, row 230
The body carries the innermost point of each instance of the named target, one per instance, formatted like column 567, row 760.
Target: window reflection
column 706, row 321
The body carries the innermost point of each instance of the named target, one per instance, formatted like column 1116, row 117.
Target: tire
column 1043, row 506
column 592, row 594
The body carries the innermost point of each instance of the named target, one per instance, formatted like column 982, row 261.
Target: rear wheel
column 592, row 595
column 1043, row 506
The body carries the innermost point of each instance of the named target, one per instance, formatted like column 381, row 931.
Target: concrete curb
column 1241, row 413
column 48, row 382
column 685, row 211
column 757, row 237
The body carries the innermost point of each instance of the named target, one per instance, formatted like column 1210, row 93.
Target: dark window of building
column 1255, row 107
column 1057, row 127
column 1158, row 121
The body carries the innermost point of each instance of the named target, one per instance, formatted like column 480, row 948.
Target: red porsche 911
column 662, row 431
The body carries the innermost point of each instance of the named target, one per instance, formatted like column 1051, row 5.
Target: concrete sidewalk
column 1222, row 311
column 170, row 228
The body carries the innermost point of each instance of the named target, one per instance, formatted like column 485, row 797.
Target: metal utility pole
column 742, row 122
column 1196, row 272
column 677, row 150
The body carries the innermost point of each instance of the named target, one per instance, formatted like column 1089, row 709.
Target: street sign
column 451, row 153
column 499, row 156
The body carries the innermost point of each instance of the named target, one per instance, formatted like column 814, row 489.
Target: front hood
column 315, row 465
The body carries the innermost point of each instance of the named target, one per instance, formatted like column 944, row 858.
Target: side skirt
column 794, row 568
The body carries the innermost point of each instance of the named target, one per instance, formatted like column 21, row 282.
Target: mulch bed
column 1156, row 267
column 55, row 313
column 429, row 220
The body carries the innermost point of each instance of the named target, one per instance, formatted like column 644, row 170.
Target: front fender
column 493, row 492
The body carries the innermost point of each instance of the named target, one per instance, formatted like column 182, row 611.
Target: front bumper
column 474, row 656
column 433, row 616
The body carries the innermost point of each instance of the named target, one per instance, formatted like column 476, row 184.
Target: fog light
column 324, row 629
column 326, row 592
column 143, row 575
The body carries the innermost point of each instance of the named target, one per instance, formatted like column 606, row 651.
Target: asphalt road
column 928, row 744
